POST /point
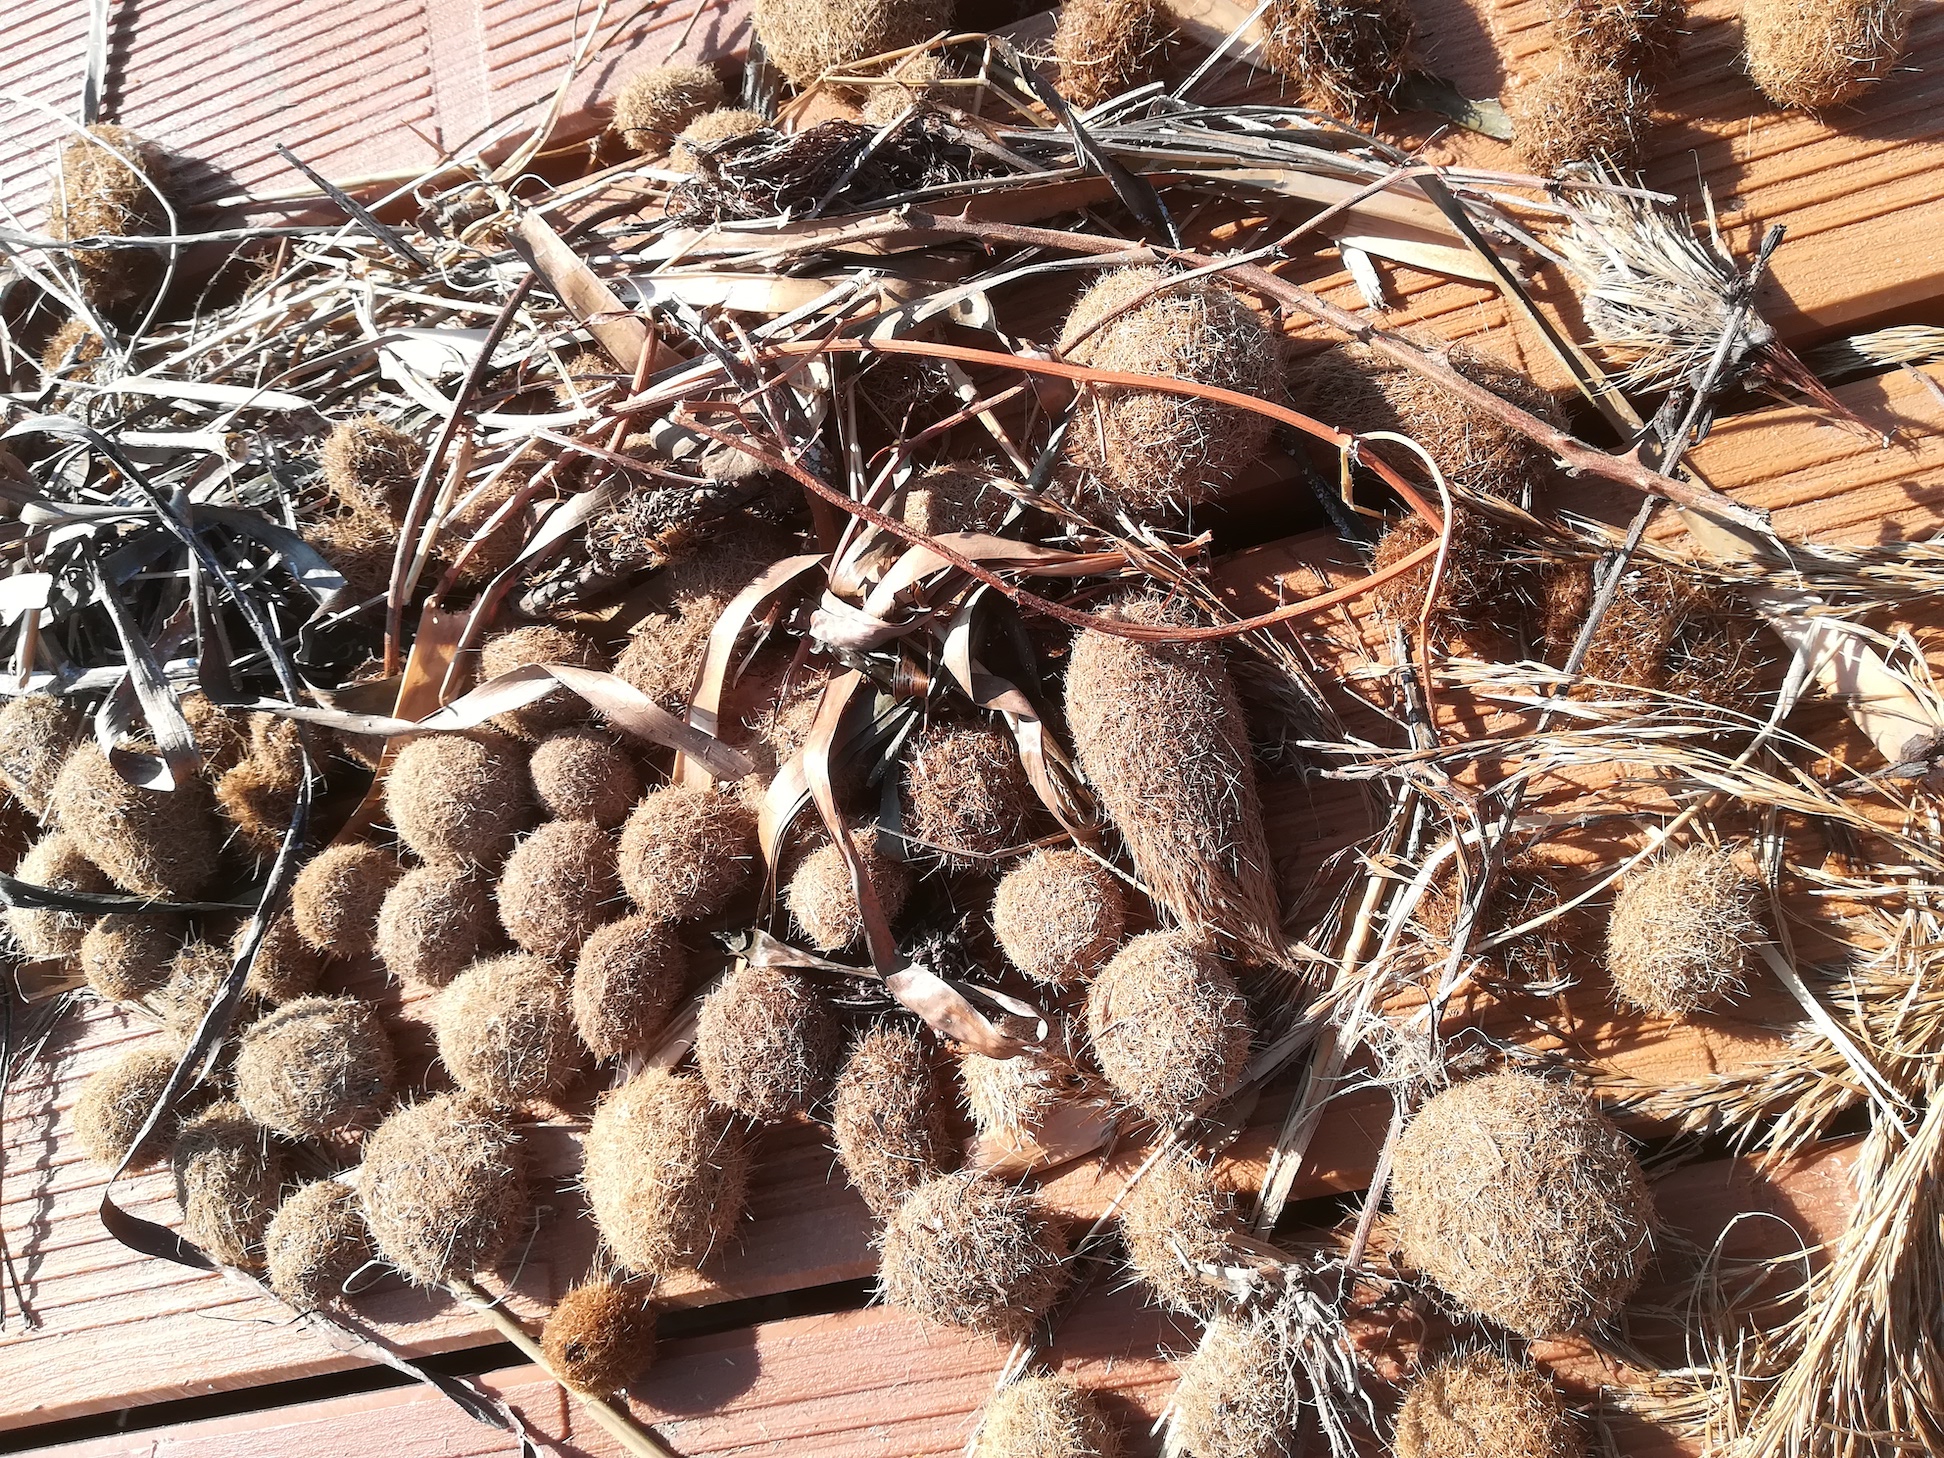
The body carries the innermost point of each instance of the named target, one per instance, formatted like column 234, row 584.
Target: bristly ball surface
column 126, row 955
column 1522, row 1201
column 1043, row 1417
column 459, row 799
column 1817, row 53
column 806, row 38
column 890, row 1116
column 966, row 794
column 1168, row 1026
column 372, row 467
column 823, row 900
column 37, row 733
column 581, row 774
column 506, row 1030
column 666, row 1172
column 1481, row 1405
column 433, row 923
column 286, row 966
column 686, row 852
column 1578, row 113
column 444, row 1187
column 972, row 1251
column 337, row 896
column 558, row 886
column 1150, row 451
column 1059, row 915
column 1175, row 1223
column 316, row 1066
column 601, row 1336
column 1107, row 47
column 540, row 643
column 106, row 188
column 767, row 1043
column 653, row 105
column 627, row 980
column 1238, row 1397
column 1349, row 56
column 316, row 1242
column 58, row 863
column 1683, row 933
column 228, row 1170
column 1639, row 37
column 115, row 1102
column 150, row 842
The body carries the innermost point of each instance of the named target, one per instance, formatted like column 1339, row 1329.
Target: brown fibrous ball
column 195, row 976
column 966, row 794
column 1481, row 1405
column 316, row 1242
column 433, row 923
column 1238, row 1396
column 1058, row 915
column 286, row 967
column 653, row 105
column 1639, row 37
column 558, row 886
column 258, row 794
column 823, row 899
column 125, row 956
column 74, row 347
column 1147, row 450
column 444, row 1187
column 600, row 1337
column 115, row 1102
column 1683, row 933
column 37, row 733
column 1350, row 55
column 1577, row 113
column 685, row 853
column 1176, row 1222
column 228, row 1171
column 1468, row 586
column 956, row 497
column 316, row 1066
column 1043, row 1417
column 58, row 863
column 1818, row 53
column 700, row 137
column 918, row 80
column 1011, row 1098
column 806, row 38
column 372, row 467
column 969, row 1250
column 540, row 643
column 106, row 188
column 459, row 799
column 627, row 980
column 766, row 1043
column 890, row 1116
column 1168, row 1026
column 1523, row 1202
column 336, row 897
column 1659, row 633
column 506, row 1030
column 1107, row 47
column 579, row 774
column 666, row 1172
column 150, row 842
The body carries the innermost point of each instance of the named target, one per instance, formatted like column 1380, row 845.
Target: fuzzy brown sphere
column 104, row 191
column 1817, row 53
column 1168, row 1026
column 115, row 1102
column 1043, row 1417
column 444, row 1187
column 1059, row 915
column 195, row 975
column 653, row 105
column 1639, row 37
column 1107, row 47
column 1480, row 1405
column 958, row 497
column 459, row 799
column 600, row 1337
column 372, row 467
column 766, row 1043
column 360, row 547
column 506, row 1030
column 824, row 902
column 1010, row 1098
column 1683, row 933
column 1523, row 1202
column 1162, row 738
column 73, row 350
column 664, row 655
column 258, row 795
column 966, row 794
column 540, row 643
column 58, row 863
column 1346, row 55
column 222, row 735
column 699, row 138
column 336, row 897
column 37, row 733
column 971, row 1251
column 1174, row 1221
column 666, row 1172
column 890, row 1117
column 228, row 1171
column 1468, row 589
column 125, row 956
column 629, row 977
column 579, row 774
column 150, row 842
column 806, row 38
column 918, row 77
column 316, row 1242
column 1577, row 113
column 685, row 853
column 558, row 886
column 316, row 1066
column 1152, row 452
column 1238, row 1396
column 286, row 967
column 433, row 923
column 1659, row 633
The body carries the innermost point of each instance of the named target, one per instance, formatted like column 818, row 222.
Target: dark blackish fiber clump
column 765, row 173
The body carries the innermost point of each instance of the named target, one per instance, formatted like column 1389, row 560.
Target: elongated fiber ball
column 444, row 1187
column 286, row 966
column 1176, row 1222
column 73, row 350
column 823, row 899
column 699, row 137
column 37, row 733
column 1683, row 933
column 433, row 923
column 805, row 38
column 1578, row 113
column 540, row 643
column 1238, row 1395
column 1059, row 915
column 890, row 1117
column 337, row 896
column 115, row 1102
column 558, row 886
column 372, row 467
column 1150, row 451
column 666, row 1172
column 258, row 794
column 228, row 1171
column 1011, row 1098
column 581, row 774
column 1346, row 55
column 1639, row 37
column 1522, row 1201
column 653, row 105
column 506, row 1030
column 627, row 980
column 106, row 188
column 1168, row 1026
column 316, row 1066
column 969, row 1250
column 1481, row 1405
column 58, row 863
column 150, row 842
column 1817, row 53
column 966, row 794
column 685, row 852
column 1043, row 1417
column 601, row 1336
column 1107, row 47
column 767, row 1043
column 125, row 956
column 459, row 799
column 316, row 1242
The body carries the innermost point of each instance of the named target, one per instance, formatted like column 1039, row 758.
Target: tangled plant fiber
column 1683, row 933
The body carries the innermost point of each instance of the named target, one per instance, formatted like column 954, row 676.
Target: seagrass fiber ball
column 150, row 842
column 336, row 897
column 685, row 853
column 1238, row 1395
column 1168, row 1026
column 1577, row 113
column 372, row 467
column 957, row 497
column 56, row 862
column 1818, row 53
column 506, row 1030
column 1522, row 1201
column 890, row 1117
column 966, row 794
column 197, row 974
column 1058, row 915
column 767, row 1043
column 228, row 1171
column 258, row 794
column 627, row 980
column 1011, row 1098
column 653, row 105
column 1175, row 1223
column 1106, row 47
column 823, row 898
column 444, row 1187
column 317, row 1066
column 459, row 799
column 74, row 350
column 972, row 1251
column 1683, row 933
column 666, row 1171
column 115, row 1102
column 581, row 774
column 540, row 643
column 601, row 1336
column 1149, row 451
column 125, row 956
column 1043, row 1417
column 106, row 186
column 1639, row 37
column 432, row 924
column 699, row 139
column 1482, row 1405
column 558, row 886
column 286, row 966
column 37, row 733
column 316, row 1242
column 806, row 38
column 1348, row 56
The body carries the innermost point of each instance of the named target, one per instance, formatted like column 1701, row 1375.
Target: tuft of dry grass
column 58, row 863
column 966, row 794
column 582, row 774
column 37, row 733
column 823, row 901
column 433, row 923
column 115, row 1102
column 150, row 842
column 459, row 799
column 105, row 188
column 126, row 955
column 337, row 897
column 1237, row 1397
